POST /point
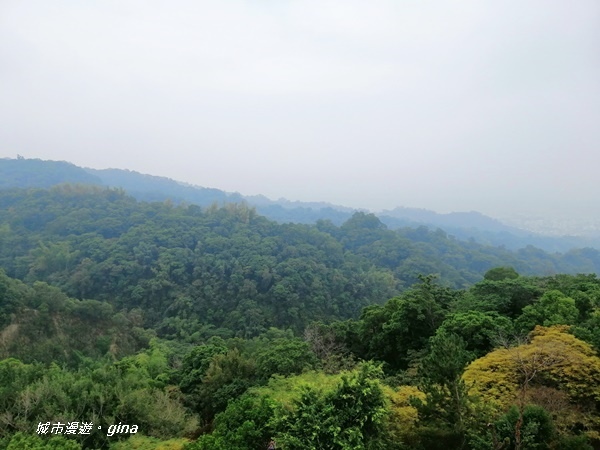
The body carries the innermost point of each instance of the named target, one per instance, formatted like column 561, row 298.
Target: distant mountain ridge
column 472, row 219
column 26, row 173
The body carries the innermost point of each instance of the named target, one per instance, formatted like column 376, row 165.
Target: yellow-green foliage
column 285, row 390
column 140, row 442
column 578, row 369
column 554, row 368
column 403, row 416
column 493, row 378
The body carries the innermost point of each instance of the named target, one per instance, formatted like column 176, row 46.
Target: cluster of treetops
column 218, row 329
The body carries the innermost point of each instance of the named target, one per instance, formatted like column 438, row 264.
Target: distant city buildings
column 559, row 226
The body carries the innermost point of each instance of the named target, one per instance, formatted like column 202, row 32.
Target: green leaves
column 500, row 274
column 404, row 324
column 446, row 359
column 30, row 441
column 534, row 430
column 554, row 308
column 285, row 357
column 481, row 331
column 352, row 416
column 128, row 391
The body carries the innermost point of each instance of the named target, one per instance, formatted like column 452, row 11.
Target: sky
column 482, row 105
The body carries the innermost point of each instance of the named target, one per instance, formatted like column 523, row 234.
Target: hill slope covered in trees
column 511, row 360
column 217, row 328
column 229, row 267
column 27, row 173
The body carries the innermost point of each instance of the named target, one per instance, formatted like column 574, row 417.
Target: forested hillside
column 198, row 271
column 508, row 363
column 27, row 173
column 216, row 328
column 31, row 173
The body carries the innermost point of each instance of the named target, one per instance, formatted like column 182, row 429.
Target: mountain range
column 473, row 225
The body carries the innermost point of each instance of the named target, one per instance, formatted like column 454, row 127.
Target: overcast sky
column 447, row 105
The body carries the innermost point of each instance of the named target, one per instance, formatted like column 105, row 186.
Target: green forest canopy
column 217, row 328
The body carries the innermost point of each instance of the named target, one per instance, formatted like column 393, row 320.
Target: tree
column 507, row 297
column 500, row 274
column 479, row 330
column 553, row 359
column 284, row 357
column 352, row 416
column 11, row 298
column 22, row 441
column 227, row 377
column 403, row 421
column 531, row 428
column 244, row 425
column 404, row 324
column 446, row 404
column 328, row 346
column 553, row 308
column 196, row 363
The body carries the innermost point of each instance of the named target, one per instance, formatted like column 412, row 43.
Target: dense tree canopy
column 217, row 329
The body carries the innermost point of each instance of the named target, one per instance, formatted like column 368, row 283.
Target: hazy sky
column 447, row 105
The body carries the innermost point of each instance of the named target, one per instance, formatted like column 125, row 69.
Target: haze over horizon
column 484, row 106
